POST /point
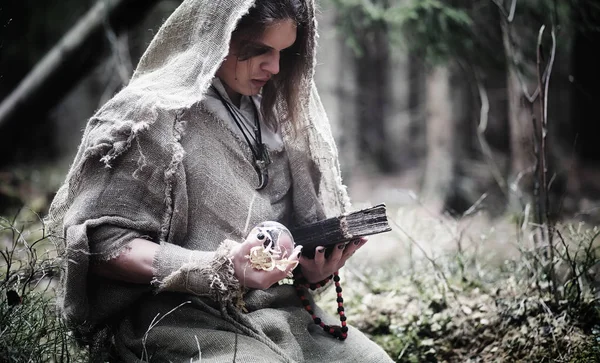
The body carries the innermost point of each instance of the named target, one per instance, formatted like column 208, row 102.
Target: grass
column 30, row 328
column 455, row 295
column 462, row 300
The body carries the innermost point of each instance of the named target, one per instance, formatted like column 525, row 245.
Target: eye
column 289, row 53
column 252, row 50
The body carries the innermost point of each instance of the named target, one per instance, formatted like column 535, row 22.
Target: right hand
column 261, row 279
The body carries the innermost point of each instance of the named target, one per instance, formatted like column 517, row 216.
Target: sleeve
column 110, row 203
column 202, row 273
column 141, row 193
column 208, row 274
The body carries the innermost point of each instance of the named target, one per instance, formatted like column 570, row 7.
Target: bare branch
column 544, row 199
column 485, row 147
column 511, row 15
column 547, row 74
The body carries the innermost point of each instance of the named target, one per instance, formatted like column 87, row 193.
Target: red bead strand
column 338, row 332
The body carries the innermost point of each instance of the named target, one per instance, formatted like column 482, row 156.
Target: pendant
column 262, row 167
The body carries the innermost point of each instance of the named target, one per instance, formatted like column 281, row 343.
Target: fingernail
column 321, row 250
column 356, row 241
column 341, row 246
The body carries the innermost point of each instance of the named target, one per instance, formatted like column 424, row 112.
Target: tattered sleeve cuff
column 208, row 274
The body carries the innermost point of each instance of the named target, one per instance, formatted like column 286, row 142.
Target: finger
column 316, row 262
column 279, row 272
column 319, row 256
column 337, row 253
column 265, row 279
column 295, row 255
column 363, row 241
column 290, row 268
column 352, row 247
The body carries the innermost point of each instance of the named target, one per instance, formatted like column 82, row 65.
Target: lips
column 259, row 82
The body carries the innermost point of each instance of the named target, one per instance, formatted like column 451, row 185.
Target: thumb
column 295, row 256
column 294, row 260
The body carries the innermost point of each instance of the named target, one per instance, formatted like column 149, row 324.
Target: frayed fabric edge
column 224, row 286
column 170, row 173
column 119, row 147
column 216, row 275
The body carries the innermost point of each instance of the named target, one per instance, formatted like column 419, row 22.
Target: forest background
column 474, row 121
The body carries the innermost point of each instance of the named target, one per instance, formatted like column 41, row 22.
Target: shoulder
column 127, row 121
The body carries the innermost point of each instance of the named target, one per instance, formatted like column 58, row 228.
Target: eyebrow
column 263, row 45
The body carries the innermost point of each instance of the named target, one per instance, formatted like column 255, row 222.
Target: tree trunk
column 446, row 116
column 523, row 113
column 416, row 96
column 372, row 70
column 337, row 87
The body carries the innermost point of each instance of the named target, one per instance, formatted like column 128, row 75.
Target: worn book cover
column 329, row 232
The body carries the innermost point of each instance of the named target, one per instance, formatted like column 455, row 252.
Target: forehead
column 279, row 35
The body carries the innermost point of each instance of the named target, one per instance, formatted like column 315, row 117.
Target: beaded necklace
column 337, row 331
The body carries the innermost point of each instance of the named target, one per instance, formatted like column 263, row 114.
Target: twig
column 475, row 205
column 403, row 351
column 544, row 202
column 481, row 128
column 572, row 265
column 154, row 323
column 199, row 350
column 509, row 16
column 120, row 53
column 513, row 6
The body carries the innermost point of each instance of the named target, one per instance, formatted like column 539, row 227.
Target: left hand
column 319, row 268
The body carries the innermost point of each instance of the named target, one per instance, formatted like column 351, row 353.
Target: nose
column 271, row 64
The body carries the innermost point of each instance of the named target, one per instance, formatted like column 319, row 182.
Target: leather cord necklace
column 259, row 150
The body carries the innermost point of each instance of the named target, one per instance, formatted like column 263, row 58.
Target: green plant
column 471, row 305
column 30, row 328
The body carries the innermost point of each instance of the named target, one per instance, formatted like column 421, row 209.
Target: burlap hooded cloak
column 155, row 163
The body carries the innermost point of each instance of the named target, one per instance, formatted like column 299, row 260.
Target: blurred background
column 475, row 121
column 442, row 101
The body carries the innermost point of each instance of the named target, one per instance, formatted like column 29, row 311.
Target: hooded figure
column 220, row 128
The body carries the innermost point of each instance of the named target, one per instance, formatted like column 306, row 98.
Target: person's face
column 260, row 59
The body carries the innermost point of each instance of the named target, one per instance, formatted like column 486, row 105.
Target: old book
column 328, row 232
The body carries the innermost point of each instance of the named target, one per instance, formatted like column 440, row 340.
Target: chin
column 252, row 92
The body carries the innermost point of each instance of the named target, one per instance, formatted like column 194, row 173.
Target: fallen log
column 82, row 48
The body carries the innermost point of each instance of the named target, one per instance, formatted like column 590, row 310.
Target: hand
column 261, row 279
column 319, row 268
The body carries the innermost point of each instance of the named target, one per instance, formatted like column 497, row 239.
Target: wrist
column 309, row 283
column 199, row 273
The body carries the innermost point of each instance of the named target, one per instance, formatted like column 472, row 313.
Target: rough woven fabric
column 155, row 162
column 198, row 272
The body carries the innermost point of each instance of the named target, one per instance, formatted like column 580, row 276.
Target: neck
column 236, row 98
